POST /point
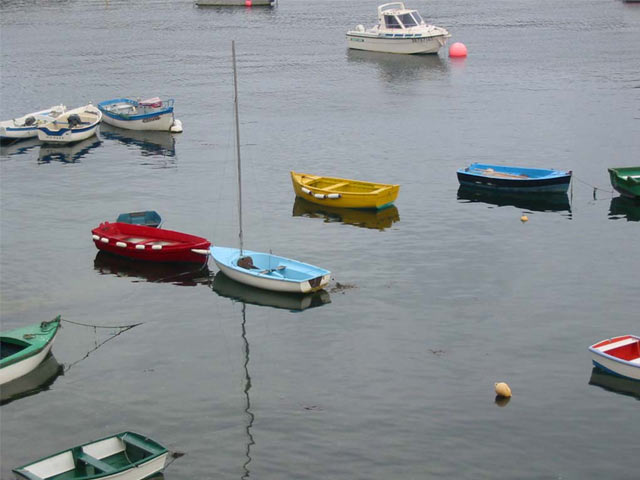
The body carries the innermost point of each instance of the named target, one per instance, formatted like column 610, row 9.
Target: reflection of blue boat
column 70, row 153
column 226, row 287
column 375, row 219
column 534, row 202
column 38, row 380
column 624, row 207
column 514, row 179
column 150, row 143
column 615, row 383
column 149, row 218
column 182, row 274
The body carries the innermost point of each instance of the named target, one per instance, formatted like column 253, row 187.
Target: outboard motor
column 74, row 120
column 29, row 121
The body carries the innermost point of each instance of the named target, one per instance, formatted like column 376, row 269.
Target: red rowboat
column 618, row 355
column 150, row 244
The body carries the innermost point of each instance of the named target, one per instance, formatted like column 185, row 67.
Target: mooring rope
column 595, row 188
column 101, row 326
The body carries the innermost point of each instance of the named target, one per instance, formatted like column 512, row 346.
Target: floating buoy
column 176, row 127
column 503, row 390
column 524, row 218
column 458, row 50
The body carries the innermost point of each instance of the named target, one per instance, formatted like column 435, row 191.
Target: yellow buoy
column 503, row 390
column 524, row 218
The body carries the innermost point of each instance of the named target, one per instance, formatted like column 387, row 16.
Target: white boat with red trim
column 618, row 355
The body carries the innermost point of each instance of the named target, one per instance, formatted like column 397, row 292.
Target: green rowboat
column 626, row 180
column 124, row 456
column 23, row 349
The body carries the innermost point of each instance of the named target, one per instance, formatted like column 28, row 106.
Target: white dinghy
column 72, row 126
column 399, row 30
column 27, row 125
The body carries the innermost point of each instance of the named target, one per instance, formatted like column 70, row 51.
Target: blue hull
column 514, row 179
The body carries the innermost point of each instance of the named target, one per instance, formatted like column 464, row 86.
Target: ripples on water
column 390, row 373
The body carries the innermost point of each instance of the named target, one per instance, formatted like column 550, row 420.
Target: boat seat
column 635, row 361
column 145, row 447
column 246, row 262
column 336, row 186
column 94, row 462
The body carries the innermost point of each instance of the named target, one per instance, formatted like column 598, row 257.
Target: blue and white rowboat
column 72, row 126
column 151, row 114
column 514, row 179
column 27, row 126
column 268, row 271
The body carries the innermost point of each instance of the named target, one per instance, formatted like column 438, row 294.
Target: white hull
column 60, row 132
column 271, row 284
column 618, row 367
column 141, row 472
column 158, row 123
column 16, row 130
column 407, row 46
column 19, row 369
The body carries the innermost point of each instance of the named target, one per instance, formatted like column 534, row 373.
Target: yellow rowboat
column 340, row 192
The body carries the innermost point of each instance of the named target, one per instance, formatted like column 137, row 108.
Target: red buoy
column 458, row 50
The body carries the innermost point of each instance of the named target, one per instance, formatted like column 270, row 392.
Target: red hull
column 150, row 244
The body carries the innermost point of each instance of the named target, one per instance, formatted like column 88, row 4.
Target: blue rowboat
column 151, row 114
column 148, row 218
column 514, row 179
column 268, row 271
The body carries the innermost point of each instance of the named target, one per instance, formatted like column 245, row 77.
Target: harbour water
column 389, row 374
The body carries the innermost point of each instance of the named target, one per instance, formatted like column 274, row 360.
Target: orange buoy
column 458, row 50
column 524, row 218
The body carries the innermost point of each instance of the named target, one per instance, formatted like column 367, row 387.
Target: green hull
column 626, row 180
column 25, row 342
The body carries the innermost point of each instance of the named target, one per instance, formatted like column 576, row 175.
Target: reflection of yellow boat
column 344, row 193
column 226, row 287
column 376, row 219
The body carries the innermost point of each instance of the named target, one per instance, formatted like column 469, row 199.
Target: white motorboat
column 399, row 30
column 72, row 126
column 27, row 126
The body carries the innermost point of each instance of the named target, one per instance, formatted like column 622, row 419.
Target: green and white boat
column 626, row 180
column 23, row 349
column 125, row 456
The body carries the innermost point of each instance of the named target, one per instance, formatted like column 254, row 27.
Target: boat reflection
column 624, row 207
column 614, row 383
column 36, row 381
column 186, row 275
column 18, row 147
column 150, row 143
column 556, row 202
column 395, row 68
column 375, row 219
column 67, row 153
column 226, row 287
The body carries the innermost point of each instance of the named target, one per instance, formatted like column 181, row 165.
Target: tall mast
column 235, row 104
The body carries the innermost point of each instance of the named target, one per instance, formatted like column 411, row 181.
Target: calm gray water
column 390, row 375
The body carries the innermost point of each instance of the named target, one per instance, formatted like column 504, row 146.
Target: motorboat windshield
column 396, row 16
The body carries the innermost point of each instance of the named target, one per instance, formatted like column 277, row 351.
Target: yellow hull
column 344, row 193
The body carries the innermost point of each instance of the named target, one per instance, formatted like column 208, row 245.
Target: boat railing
column 390, row 6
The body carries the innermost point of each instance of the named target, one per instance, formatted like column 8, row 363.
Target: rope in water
column 595, row 188
column 101, row 326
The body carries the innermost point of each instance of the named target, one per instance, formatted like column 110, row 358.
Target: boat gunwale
column 153, row 456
